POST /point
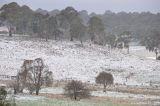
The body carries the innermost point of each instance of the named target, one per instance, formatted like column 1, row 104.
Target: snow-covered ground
column 142, row 52
column 52, row 90
column 68, row 60
column 28, row 98
column 3, row 29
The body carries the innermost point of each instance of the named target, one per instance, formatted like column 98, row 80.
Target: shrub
column 105, row 79
column 76, row 90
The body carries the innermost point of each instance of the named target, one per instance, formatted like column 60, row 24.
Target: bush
column 158, row 58
column 105, row 79
column 76, row 90
column 3, row 101
column 3, row 94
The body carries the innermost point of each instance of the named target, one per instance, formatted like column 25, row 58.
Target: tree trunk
column 75, row 96
column 46, row 39
column 39, row 81
column 128, row 50
column 71, row 38
column 30, row 92
column 81, row 42
column 37, row 91
column 156, row 56
column 18, row 84
column 15, row 91
column 104, row 88
column 55, row 37
column 10, row 32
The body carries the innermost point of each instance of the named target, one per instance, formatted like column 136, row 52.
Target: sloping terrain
column 69, row 60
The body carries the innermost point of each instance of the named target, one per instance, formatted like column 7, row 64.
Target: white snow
column 28, row 98
column 142, row 52
column 67, row 60
column 3, row 28
column 52, row 90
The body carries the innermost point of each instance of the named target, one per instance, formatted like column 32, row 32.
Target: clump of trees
column 105, row 79
column 158, row 58
column 33, row 75
column 123, row 40
column 111, row 40
column 152, row 42
column 67, row 24
column 96, row 30
column 3, row 95
column 71, row 24
column 76, row 90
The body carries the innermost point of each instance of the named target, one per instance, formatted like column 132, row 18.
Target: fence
column 7, row 77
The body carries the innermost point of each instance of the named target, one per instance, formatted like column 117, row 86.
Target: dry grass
column 136, row 90
column 112, row 100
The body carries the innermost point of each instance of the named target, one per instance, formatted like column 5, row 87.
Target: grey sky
column 98, row 6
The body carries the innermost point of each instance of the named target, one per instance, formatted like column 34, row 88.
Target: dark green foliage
column 124, row 38
column 3, row 101
column 111, row 40
column 142, row 25
column 76, row 90
column 70, row 21
column 96, row 30
column 68, row 14
column 3, row 94
column 152, row 41
column 17, row 16
column 77, row 30
column 95, row 25
column 105, row 79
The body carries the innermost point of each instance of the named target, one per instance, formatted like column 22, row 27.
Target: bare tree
column 14, row 85
column 105, row 79
column 76, row 90
column 22, row 74
column 33, row 75
column 30, row 87
column 48, row 78
column 156, row 52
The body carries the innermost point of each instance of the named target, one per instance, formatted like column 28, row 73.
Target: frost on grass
column 68, row 61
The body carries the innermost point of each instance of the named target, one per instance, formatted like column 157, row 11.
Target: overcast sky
column 98, row 6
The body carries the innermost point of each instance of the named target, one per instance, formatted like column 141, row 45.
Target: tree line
column 115, row 29
column 65, row 25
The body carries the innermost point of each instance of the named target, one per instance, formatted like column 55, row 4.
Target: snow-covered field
column 68, row 60
column 142, row 52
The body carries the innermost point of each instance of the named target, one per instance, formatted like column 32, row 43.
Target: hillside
column 68, row 60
